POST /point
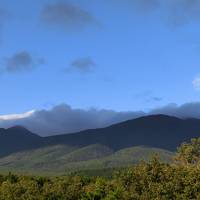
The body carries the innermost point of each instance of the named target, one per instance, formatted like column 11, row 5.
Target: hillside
column 115, row 146
column 64, row 159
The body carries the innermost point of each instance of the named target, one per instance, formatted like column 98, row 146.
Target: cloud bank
column 188, row 110
column 65, row 119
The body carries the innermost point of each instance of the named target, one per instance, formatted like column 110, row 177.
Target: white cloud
column 17, row 116
column 196, row 83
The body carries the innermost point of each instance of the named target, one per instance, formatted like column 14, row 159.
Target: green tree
column 188, row 153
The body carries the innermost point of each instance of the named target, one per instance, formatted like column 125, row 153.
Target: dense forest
column 147, row 180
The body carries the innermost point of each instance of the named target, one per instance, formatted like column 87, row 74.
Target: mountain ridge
column 159, row 131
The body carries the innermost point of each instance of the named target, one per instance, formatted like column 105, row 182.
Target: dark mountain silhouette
column 154, row 131
column 16, row 139
column 159, row 131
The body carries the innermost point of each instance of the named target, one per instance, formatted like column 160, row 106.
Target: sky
column 115, row 55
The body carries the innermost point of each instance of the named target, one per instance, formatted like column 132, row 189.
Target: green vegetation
column 61, row 159
column 154, row 180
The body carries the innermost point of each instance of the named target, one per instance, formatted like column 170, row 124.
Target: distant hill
column 154, row 131
column 64, row 159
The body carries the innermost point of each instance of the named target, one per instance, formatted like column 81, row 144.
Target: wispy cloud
column 147, row 96
column 16, row 116
column 21, row 62
column 83, row 65
column 66, row 16
column 3, row 15
column 144, row 5
column 196, row 83
column 157, row 99
column 176, row 13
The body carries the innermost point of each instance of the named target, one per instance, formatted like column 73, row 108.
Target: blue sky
column 119, row 55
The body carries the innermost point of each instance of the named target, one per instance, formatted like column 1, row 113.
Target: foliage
column 148, row 180
column 189, row 153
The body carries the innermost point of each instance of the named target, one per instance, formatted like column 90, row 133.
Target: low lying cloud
column 188, row 110
column 65, row 119
column 21, row 62
column 66, row 16
column 83, row 65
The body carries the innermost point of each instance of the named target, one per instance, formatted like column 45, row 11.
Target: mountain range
column 117, row 145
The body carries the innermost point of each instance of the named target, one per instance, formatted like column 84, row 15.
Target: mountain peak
column 159, row 116
column 21, row 131
column 18, row 128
